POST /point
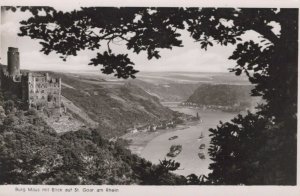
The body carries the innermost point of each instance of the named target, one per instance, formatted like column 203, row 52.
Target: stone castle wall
column 44, row 91
column 11, row 83
column 37, row 90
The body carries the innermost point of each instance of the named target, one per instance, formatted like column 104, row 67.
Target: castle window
column 50, row 97
column 43, row 97
column 42, row 91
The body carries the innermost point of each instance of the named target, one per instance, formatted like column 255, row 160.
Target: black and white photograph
column 146, row 95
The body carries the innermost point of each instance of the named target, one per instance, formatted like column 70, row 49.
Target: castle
column 36, row 90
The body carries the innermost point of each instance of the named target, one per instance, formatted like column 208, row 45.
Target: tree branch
column 266, row 32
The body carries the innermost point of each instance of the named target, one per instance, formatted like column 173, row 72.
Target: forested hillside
column 222, row 95
column 115, row 106
column 32, row 153
column 178, row 87
column 167, row 92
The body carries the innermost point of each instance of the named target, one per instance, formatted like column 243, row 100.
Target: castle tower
column 13, row 61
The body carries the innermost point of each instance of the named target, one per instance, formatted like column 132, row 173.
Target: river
column 159, row 146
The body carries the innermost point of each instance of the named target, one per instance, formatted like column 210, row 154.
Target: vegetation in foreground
column 33, row 153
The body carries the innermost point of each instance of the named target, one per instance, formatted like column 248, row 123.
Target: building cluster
column 164, row 124
column 36, row 89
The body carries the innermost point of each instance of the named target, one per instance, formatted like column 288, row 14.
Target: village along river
column 189, row 160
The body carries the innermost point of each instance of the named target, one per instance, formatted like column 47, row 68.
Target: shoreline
column 138, row 141
column 153, row 146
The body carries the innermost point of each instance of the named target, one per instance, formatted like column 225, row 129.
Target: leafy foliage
column 141, row 29
column 33, row 153
column 115, row 63
column 236, row 162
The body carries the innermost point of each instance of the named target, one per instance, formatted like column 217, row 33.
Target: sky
column 180, row 59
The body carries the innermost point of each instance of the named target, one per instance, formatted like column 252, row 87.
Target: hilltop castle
column 37, row 90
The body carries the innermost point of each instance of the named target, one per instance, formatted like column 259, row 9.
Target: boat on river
column 201, row 155
column 200, row 137
column 174, row 150
column 202, row 146
column 173, row 137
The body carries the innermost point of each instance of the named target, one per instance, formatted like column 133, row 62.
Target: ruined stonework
column 43, row 91
column 37, row 90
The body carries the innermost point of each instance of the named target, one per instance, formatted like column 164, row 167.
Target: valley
column 120, row 107
column 126, row 123
column 115, row 106
column 154, row 146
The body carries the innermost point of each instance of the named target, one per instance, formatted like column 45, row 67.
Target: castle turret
column 13, row 61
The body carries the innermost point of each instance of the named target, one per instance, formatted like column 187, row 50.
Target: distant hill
column 116, row 106
column 178, row 87
column 224, row 95
column 167, row 86
column 192, row 77
column 169, row 91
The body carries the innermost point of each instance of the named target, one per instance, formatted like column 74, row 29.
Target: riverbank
column 154, row 146
column 189, row 160
column 139, row 140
